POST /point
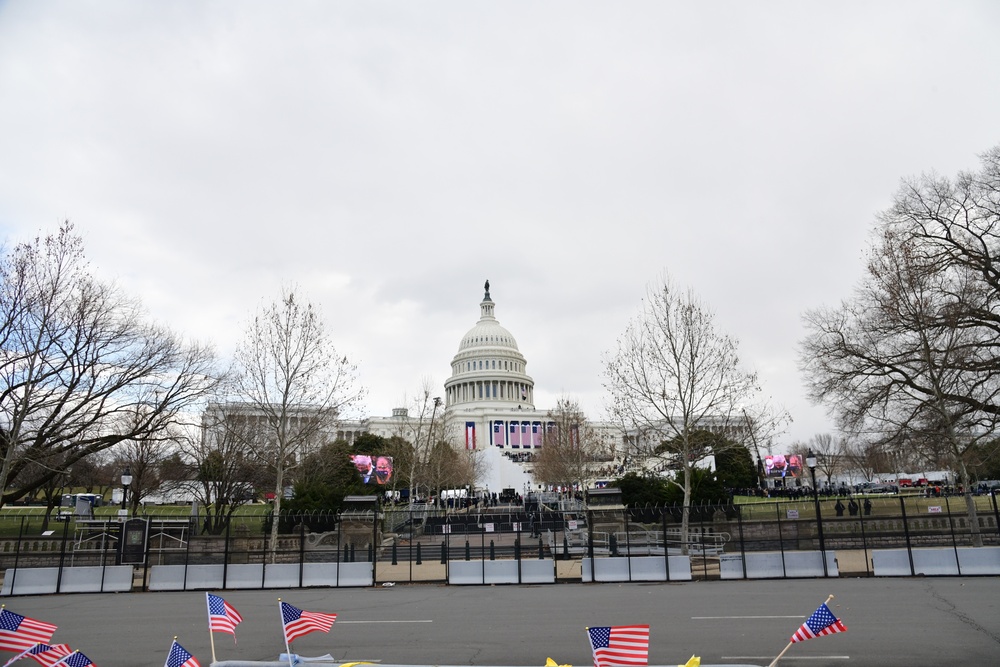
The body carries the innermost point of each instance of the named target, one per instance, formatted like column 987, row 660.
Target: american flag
column 470, row 435
column 18, row 633
column 822, row 622
column 43, row 654
column 179, row 657
column 297, row 622
column 222, row 616
column 76, row 659
column 620, row 645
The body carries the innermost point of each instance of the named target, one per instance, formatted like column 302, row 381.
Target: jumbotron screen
column 783, row 465
column 373, row 469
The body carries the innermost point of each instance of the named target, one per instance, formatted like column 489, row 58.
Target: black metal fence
column 416, row 543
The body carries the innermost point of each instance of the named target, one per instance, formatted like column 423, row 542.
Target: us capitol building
column 488, row 404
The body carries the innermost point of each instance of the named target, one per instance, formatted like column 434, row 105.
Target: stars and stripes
column 43, row 654
column 18, row 633
column 48, row 655
column 621, row 645
column 222, row 616
column 180, row 657
column 76, row 659
column 822, row 622
column 297, row 622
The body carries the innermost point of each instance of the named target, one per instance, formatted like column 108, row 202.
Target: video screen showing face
column 373, row 469
column 781, row 465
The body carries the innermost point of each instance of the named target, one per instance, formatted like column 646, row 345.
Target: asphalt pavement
column 891, row 622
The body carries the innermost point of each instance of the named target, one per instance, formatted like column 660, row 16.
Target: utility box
column 134, row 542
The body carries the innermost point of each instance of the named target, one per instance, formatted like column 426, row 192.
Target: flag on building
column 43, row 654
column 297, row 622
column 621, row 645
column 222, row 616
column 19, row 633
column 470, row 435
column 498, row 433
column 179, row 657
column 75, row 659
column 822, row 622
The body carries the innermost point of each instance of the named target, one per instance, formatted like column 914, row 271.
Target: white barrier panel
column 778, row 565
column 643, row 568
column 174, row 577
column 30, row 580
column 930, row 562
column 97, row 579
column 538, row 571
column 981, row 560
column 357, row 574
column 466, row 572
column 319, row 574
column 89, row 579
column 501, row 572
column 245, row 575
column 281, row 575
column 891, row 563
column 937, row 562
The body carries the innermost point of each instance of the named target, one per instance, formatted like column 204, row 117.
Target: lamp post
column 811, row 462
column 126, row 481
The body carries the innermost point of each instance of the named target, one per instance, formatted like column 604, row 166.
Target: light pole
column 811, row 462
column 126, row 481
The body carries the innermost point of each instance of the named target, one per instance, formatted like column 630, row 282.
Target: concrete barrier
column 245, row 575
column 641, row 568
column 937, row 562
column 471, row 572
column 89, row 579
column 30, row 580
column 982, row 560
column 778, row 565
column 185, row 577
column 95, row 579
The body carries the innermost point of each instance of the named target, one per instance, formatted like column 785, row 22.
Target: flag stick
column 63, row 661
column 211, row 635
column 775, row 661
column 18, row 657
column 288, row 647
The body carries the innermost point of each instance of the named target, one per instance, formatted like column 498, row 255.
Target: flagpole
column 211, row 635
column 63, row 661
column 288, row 647
column 18, row 657
column 775, row 661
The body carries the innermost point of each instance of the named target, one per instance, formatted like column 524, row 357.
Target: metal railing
column 417, row 543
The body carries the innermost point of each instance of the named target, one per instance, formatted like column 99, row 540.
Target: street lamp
column 811, row 462
column 126, row 481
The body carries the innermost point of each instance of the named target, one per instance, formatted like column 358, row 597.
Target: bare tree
column 829, row 454
column 80, row 368
column 143, row 459
column 227, row 473
column 572, row 452
column 910, row 357
column 422, row 426
column 291, row 378
column 674, row 374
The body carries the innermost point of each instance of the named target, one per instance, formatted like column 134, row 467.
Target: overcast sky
column 389, row 157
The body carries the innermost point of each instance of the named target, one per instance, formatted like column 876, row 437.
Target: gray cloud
column 388, row 157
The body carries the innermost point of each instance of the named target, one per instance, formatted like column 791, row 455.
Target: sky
column 387, row 158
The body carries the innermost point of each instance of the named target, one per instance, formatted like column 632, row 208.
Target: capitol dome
column 489, row 370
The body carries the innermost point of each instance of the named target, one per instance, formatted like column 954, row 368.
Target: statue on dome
column 487, row 289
